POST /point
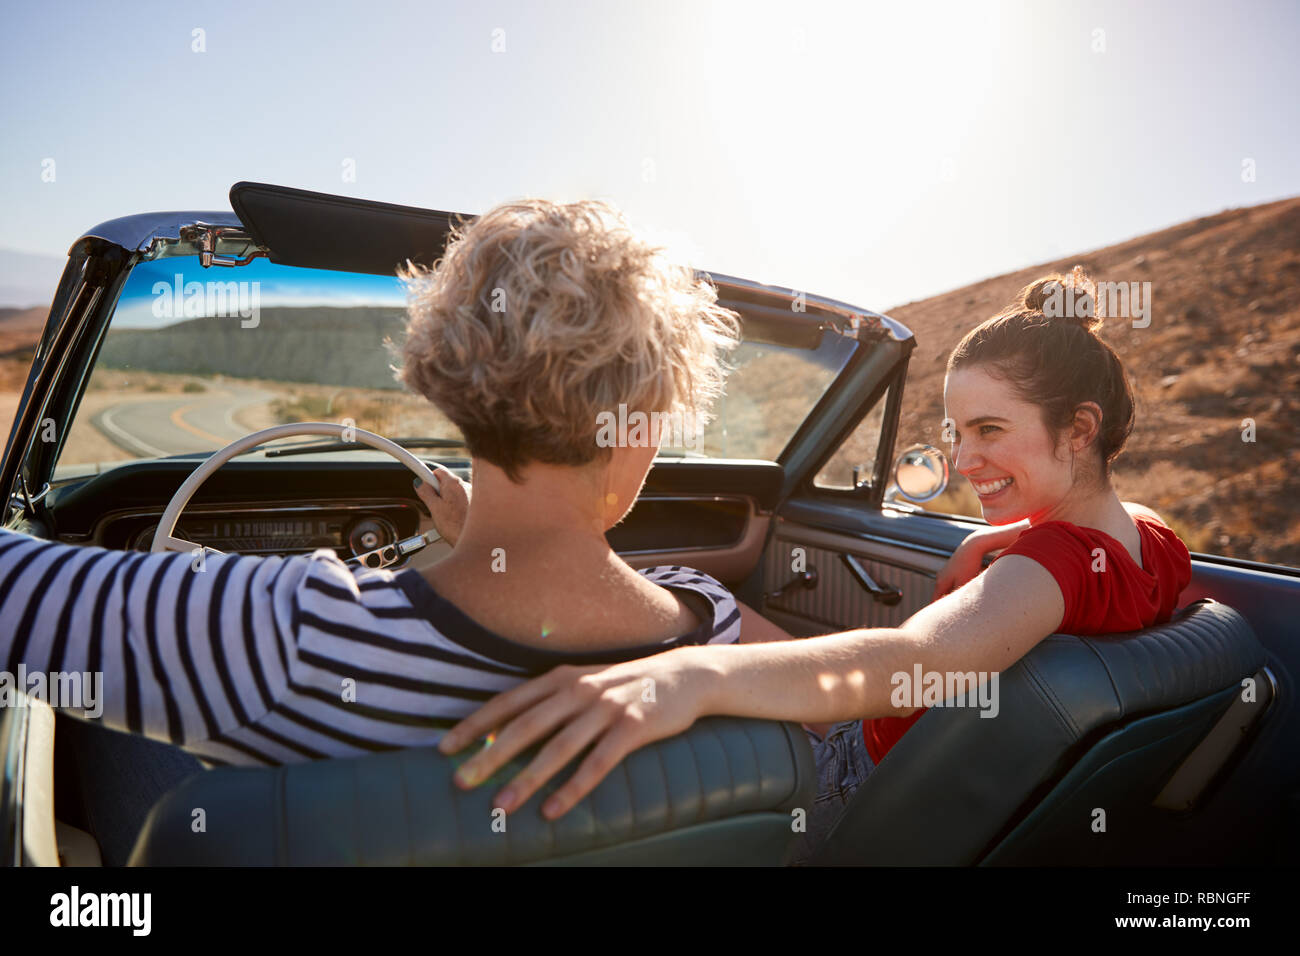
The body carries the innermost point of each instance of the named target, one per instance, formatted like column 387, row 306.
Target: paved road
column 178, row 424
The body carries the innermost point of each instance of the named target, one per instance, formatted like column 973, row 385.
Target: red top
column 1124, row 598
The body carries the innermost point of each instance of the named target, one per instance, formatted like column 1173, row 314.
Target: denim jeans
column 842, row 764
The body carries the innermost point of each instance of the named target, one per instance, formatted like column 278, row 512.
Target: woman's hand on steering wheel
column 448, row 507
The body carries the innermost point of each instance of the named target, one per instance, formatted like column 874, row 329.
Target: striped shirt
column 267, row 660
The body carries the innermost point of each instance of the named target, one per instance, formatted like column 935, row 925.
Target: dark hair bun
column 1070, row 299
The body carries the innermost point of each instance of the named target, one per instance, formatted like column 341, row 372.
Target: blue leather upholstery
column 1084, row 723
column 721, row 793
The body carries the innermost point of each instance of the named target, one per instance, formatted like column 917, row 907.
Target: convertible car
column 223, row 379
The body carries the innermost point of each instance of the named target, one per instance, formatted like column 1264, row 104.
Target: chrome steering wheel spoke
column 181, row 546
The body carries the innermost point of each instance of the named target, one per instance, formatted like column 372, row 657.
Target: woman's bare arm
column 984, row 626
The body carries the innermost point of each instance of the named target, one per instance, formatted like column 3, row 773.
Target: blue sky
column 877, row 153
column 159, row 293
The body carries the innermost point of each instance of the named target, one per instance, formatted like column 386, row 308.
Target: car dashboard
column 353, row 503
column 349, row 528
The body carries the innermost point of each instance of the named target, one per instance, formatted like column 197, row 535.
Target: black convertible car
column 174, row 336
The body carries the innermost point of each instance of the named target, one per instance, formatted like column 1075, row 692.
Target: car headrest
column 1206, row 647
column 402, row 808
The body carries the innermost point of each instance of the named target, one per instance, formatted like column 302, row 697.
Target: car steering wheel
column 165, row 539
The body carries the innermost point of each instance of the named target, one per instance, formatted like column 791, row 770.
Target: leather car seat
column 1122, row 723
column 1099, row 743
column 725, row 792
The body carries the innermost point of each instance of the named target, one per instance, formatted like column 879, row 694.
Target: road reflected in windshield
column 128, row 414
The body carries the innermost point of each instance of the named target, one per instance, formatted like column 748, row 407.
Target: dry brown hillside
column 1223, row 346
column 19, row 331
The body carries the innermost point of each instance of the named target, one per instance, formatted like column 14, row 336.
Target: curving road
column 178, row 424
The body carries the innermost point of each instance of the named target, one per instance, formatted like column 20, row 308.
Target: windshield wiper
column 308, row 448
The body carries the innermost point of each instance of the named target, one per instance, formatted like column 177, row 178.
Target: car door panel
column 838, row 601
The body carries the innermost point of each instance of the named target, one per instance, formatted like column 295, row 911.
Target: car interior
column 1173, row 745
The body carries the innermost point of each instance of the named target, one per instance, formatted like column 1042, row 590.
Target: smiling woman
column 1039, row 407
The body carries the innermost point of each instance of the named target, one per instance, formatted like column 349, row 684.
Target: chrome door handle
column 807, row 580
column 887, row 596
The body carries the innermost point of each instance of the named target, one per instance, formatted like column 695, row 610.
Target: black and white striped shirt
column 267, row 660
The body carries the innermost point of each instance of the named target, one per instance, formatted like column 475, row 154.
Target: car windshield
column 195, row 358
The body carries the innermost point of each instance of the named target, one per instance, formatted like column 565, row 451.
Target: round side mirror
column 921, row 473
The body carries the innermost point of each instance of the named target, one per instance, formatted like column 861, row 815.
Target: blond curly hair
column 540, row 316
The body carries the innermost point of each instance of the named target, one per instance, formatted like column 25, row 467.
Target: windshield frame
column 166, row 235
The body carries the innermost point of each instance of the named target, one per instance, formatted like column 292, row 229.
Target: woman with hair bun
column 1040, row 407
column 1044, row 350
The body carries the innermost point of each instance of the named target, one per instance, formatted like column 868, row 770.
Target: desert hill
column 327, row 346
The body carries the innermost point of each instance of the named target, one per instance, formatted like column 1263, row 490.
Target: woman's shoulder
column 1061, row 541
column 328, row 588
column 1152, row 523
column 725, row 625
column 1103, row 589
column 1055, row 537
column 1069, row 553
column 1163, row 548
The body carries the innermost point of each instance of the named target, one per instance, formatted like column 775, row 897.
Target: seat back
column 722, row 793
column 27, row 827
column 1085, row 724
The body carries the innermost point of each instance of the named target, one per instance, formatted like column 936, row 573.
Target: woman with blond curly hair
column 541, row 323
column 539, row 318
